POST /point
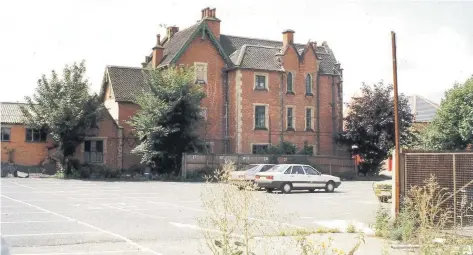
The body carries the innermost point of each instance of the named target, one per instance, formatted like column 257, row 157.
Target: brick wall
column 25, row 153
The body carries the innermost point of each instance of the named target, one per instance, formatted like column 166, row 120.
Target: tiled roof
column 11, row 113
column 257, row 57
column 423, row 109
column 231, row 44
column 172, row 47
column 127, row 82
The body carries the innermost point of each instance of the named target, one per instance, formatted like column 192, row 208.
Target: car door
column 315, row 177
column 299, row 178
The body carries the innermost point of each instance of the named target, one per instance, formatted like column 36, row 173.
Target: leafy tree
column 168, row 118
column 452, row 126
column 370, row 124
column 64, row 107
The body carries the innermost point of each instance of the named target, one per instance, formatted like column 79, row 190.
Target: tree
column 63, row 107
column 168, row 119
column 452, row 126
column 370, row 124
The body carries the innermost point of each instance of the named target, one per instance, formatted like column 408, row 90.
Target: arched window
column 290, row 83
column 308, row 84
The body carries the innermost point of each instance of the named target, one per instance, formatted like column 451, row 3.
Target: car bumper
column 383, row 192
column 269, row 184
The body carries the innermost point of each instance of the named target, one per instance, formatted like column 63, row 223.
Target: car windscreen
column 278, row 168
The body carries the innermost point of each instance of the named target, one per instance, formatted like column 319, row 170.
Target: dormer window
column 200, row 73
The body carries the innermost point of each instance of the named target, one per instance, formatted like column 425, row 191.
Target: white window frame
column 266, row 75
column 252, row 144
column 1, row 135
column 203, row 113
column 266, row 115
column 205, row 72
column 104, row 150
column 312, row 123
column 293, row 117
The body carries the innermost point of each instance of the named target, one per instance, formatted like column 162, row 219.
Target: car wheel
column 286, row 187
column 383, row 199
column 311, row 190
column 330, row 186
column 269, row 190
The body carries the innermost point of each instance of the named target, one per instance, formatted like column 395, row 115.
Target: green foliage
column 168, row 118
column 307, row 149
column 64, row 107
column 286, row 148
column 370, row 124
column 452, row 126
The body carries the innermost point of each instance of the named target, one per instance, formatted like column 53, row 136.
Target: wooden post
column 454, row 192
column 396, row 121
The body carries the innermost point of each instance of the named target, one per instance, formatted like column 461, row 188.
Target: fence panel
column 453, row 171
column 325, row 164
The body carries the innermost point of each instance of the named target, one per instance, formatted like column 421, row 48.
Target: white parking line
column 88, row 225
column 35, row 221
column 48, row 234
column 13, row 213
column 79, row 253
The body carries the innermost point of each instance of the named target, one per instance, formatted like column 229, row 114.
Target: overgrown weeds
column 425, row 220
column 240, row 220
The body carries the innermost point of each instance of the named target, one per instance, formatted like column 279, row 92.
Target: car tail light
column 269, row 177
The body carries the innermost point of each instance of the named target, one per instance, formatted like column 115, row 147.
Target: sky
column 434, row 38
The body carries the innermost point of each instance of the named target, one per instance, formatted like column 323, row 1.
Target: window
column 6, row 131
column 266, row 168
column 93, row 151
column 260, row 117
column 290, row 80
column 310, row 171
column 288, row 171
column 308, row 84
column 203, row 113
column 290, row 118
column 259, row 148
column 260, row 82
column 200, row 73
column 35, row 135
column 308, row 119
column 297, row 170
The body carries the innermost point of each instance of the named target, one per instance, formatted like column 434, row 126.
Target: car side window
column 297, row 170
column 310, row 171
column 288, row 171
column 266, row 168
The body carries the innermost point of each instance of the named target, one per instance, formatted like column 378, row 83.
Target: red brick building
column 26, row 146
column 259, row 92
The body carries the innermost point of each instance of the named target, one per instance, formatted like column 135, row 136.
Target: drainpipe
column 281, row 97
column 333, row 114
column 226, row 111
column 317, row 114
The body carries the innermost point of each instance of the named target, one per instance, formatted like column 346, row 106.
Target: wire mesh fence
column 453, row 171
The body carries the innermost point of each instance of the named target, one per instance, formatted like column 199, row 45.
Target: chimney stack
column 158, row 52
column 171, row 31
column 287, row 37
column 209, row 17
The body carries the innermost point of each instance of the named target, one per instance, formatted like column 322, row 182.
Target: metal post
column 396, row 121
column 454, row 192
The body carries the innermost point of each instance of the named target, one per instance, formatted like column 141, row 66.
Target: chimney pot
column 158, row 39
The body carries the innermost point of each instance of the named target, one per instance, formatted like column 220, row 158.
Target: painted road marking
column 47, row 234
column 88, row 225
column 35, row 221
column 79, row 253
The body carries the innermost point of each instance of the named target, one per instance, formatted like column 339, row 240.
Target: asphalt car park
column 51, row 216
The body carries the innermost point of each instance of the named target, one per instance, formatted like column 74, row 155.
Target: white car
column 249, row 173
column 287, row 177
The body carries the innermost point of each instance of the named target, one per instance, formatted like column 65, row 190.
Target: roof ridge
column 253, row 38
column 128, row 67
column 13, row 103
column 261, row 46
